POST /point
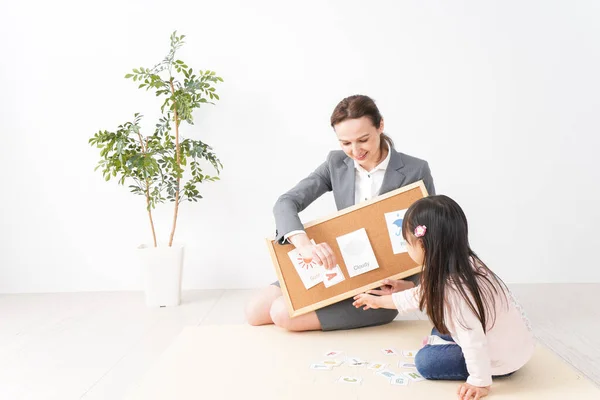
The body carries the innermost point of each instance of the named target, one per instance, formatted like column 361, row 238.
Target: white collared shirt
column 366, row 184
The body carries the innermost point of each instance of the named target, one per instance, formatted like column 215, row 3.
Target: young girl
column 479, row 330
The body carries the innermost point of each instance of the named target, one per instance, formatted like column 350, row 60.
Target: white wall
column 500, row 97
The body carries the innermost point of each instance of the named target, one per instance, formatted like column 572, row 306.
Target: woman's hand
column 320, row 253
column 366, row 301
column 392, row 286
column 468, row 392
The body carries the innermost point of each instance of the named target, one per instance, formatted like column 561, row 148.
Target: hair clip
column 420, row 231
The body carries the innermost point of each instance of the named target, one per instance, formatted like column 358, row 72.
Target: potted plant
column 162, row 166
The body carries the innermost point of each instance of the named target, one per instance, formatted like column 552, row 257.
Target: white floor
column 96, row 345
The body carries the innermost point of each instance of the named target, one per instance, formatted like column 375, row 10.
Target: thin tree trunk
column 176, row 211
column 150, row 212
column 144, row 150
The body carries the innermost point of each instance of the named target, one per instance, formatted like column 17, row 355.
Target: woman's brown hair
column 359, row 106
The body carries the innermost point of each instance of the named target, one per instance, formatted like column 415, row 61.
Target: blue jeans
column 443, row 361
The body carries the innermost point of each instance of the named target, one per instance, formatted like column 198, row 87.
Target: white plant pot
column 161, row 268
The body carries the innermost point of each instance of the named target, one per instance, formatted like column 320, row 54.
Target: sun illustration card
column 393, row 220
column 310, row 272
column 357, row 252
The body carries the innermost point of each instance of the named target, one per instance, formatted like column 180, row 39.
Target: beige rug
column 238, row 361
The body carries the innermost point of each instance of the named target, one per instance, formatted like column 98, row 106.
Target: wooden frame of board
column 368, row 215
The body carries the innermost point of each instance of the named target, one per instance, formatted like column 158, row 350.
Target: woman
column 367, row 166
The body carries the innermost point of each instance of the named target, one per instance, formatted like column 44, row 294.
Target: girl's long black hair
column 449, row 263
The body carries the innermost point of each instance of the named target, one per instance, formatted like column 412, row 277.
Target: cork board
column 368, row 215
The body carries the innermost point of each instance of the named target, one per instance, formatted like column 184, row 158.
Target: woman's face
column 360, row 140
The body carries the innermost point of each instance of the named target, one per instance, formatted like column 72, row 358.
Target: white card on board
column 393, row 220
column 357, row 252
column 310, row 272
column 332, row 276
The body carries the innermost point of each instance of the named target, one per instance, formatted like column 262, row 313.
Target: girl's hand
column 468, row 392
column 366, row 301
column 392, row 286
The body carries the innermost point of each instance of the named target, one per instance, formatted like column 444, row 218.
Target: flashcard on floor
column 333, row 276
column 333, row 363
column 399, row 380
column 414, row 376
column 354, row 360
column 377, row 366
column 320, row 366
column 357, row 364
column 393, row 221
column 403, row 364
column 310, row 272
column 352, row 380
column 386, row 373
column 333, row 353
column 389, row 351
column 409, row 353
column 357, row 252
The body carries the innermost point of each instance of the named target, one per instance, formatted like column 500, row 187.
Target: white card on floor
column 332, row 363
column 414, row 376
column 386, row 373
column 409, row 353
column 355, row 362
column 403, row 364
column 352, row 380
column 399, row 380
column 310, row 272
column 333, row 276
column 333, row 353
column 389, row 351
column 377, row 366
column 393, row 220
column 321, row 366
column 357, row 252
